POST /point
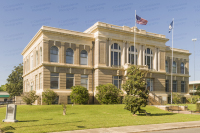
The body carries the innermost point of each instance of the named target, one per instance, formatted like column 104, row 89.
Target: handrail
column 157, row 98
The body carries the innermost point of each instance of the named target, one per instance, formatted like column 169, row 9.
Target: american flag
column 140, row 20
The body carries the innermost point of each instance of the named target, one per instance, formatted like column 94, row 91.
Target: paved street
column 186, row 130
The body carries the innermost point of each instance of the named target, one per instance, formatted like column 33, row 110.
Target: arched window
column 174, row 67
column 131, row 55
column 54, row 54
column 182, row 68
column 69, row 56
column 149, row 58
column 84, row 57
column 166, row 66
column 115, row 55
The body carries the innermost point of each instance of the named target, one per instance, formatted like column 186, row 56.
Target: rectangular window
column 84, row 81
column 56, row 101
column 69, row 80
column 149, row 84
column 69, row 100
column 174, row 86
column 54, row 80
column 111, row 58
column 116, row 58
column 167, row 85
column 182, row 86
column 36, row 82
column 40, row 82
column 117, row 81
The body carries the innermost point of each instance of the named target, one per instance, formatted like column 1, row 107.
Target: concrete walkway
column 139, row 128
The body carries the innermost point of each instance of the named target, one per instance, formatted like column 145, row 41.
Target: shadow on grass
column 29, row 121
column 49, row 119
column 157, row 114
column 81, row 126
column 49, row 124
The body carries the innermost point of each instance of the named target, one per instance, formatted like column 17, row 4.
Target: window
column 182, row 68
column 31, row 62
column 131, row 55
column 84, row 57
column 84, row 81
column 117, row 81
column 56, row 101
column 174, row 67
column 54, row 80
column 174, row 86
column 40, row 78
column 54, row 54
column 69, row 80
column 69, row 56
column 40, row 55
column 115, row 55
column 69, row 100
column 166, row 66
column 149, row 84
column 149, row 58
column 167, row 85
column 36, row 62
column 36, row 82
column 182, row 86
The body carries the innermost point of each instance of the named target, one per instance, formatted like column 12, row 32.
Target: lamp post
column 194, row 40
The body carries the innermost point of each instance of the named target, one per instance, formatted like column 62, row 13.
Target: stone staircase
column 155, row 100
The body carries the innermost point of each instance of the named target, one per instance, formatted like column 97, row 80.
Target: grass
column 49, row 118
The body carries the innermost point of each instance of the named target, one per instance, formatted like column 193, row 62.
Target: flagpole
column 134, row 40
column 172, row 60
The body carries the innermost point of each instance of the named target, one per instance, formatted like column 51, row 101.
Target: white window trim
column 84, row 57
column 151, row 59
column 134, row 53
column 118, row 51
column 119, row 80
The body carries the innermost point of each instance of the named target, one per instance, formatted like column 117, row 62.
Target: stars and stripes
column 170, row 26
column 140, row 20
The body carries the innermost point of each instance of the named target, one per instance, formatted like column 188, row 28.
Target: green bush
column 29, row 97
column 49, row 96
column 79, row 95
column 108, row 94
column 176, row 98
column 193, row 99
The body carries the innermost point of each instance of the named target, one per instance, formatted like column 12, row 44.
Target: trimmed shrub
column 49, row 96
column 108, row 94
column 79, row 95
column 29, row 97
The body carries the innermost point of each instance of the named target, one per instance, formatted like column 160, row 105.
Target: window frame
column 182, row 68
column 183, row 85
column 130, row 53
column 174, row 83
column 84, row 58
column 119, row 81
column 69, row 55
column 150, row 55
column 151, row 88
column 174, row 67
column 113, row 52
column 52, row 54
column 166, row 85
column 166, row 66
column 69, row 78
column 85, row 78
column 57, row 76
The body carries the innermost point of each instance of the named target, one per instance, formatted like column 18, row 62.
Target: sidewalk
column 139, row 128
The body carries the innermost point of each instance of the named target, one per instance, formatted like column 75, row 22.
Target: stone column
column 158, row 59
column 109, row 43
column 140, row 55
column 127, row 52
column 123, row 53
column 143, row 49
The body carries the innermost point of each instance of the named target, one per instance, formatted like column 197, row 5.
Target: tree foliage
column 14, row 85
column 193, row 99
column 3, row 88
column 79, row 94
column 137, row 94
column 49, row 96
column 176, row 98
column 29, row 97
column 108, row 94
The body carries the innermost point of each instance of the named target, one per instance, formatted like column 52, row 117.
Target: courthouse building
column 58, row 59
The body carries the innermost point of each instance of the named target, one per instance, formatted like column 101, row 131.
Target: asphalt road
column 185, row 130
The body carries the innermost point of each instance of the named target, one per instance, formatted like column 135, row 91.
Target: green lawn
column 49, row 118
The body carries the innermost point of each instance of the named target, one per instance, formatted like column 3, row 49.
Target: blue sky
column 20, row 20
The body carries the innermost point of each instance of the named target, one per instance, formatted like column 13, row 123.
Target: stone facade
column 99, row 43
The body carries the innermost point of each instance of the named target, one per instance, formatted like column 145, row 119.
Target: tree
column 79, row 94
column 108, row 94
column 193, row 99
column 3, row 88
column 176, row 98
column 14, row 85
column 137, row 94
column 29, row 97
column 49, row 96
